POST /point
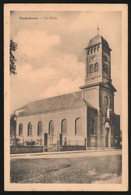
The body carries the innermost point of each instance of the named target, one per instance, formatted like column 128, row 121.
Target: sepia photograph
column 65, row 92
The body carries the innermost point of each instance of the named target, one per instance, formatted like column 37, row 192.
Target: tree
column 13, row 47
column 14, row 141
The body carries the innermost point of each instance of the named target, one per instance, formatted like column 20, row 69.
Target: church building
column 80, row 120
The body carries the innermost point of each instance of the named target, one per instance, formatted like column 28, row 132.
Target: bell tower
column 99, row 92
column 98, row 61
column 98, row 89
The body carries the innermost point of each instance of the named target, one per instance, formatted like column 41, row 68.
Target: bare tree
column 13, row 47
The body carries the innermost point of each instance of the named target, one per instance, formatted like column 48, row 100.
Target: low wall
column 25, row 149
column 36, row 149
column 70, row 148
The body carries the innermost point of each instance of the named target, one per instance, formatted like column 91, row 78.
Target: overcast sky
column 51, row 56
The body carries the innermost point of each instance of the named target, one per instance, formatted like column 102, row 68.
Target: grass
column 68, row 170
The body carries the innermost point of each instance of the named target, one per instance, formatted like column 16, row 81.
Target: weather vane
column 98, row 29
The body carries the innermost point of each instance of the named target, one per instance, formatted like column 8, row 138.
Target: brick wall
column 57, row 117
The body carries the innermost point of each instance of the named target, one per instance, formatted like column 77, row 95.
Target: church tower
column 98, row 61
column 98, row 90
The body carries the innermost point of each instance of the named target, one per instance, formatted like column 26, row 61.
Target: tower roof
column 97, row 40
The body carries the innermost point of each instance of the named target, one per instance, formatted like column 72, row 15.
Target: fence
column 67, row 145
column 74, row 142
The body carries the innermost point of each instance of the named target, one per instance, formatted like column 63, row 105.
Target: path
column 67, row 154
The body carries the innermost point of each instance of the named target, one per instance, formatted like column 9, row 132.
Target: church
column 84, row 119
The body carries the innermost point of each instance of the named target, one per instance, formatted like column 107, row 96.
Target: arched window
column 106, row 101
column 96, row 67
column 94, row 50
column 91, row 68
column 105, row 59
column 64, row 127
column 20, row 129
column 51, row 128
column 39, row 128
column 92, row 126
column 29, row 132
column 105, row 68
column 78, row 126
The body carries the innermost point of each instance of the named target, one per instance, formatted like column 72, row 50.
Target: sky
column 51, row 56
